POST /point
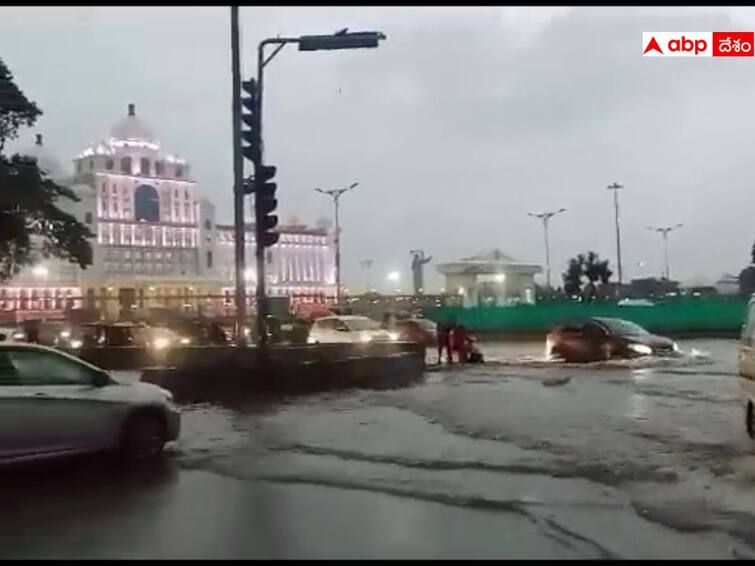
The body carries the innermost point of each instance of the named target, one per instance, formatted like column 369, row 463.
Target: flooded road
column 517, row 458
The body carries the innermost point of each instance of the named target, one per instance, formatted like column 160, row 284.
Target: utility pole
column 664, row 231
column 238, row 181
column 545, row 217
column 616, row 187
column 335, row 194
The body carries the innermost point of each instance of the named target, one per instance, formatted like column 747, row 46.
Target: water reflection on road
column 515, row 458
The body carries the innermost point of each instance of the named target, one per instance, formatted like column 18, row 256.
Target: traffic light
column 250, row 118
column 265, row 203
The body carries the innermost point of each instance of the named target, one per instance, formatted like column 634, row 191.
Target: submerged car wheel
column 143, row 437
column 749, row 419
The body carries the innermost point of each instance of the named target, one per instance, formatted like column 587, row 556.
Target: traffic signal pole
column 264, row 203
column 259, row 250
column 238, row 180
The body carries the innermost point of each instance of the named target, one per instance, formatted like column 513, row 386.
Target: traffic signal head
column 265, row 203
column 249, row 118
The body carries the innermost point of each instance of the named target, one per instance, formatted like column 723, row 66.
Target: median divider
column 198, row 374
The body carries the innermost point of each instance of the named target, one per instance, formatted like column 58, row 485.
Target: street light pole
column 335, row 194
column 664, row 231
column 238, row 181
column 616, row 187
column 545, row 217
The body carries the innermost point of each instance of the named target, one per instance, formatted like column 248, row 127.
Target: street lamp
column 545, row 217
column 664, row 231
column 616, row 187
column 335, row 194
column 340, row 40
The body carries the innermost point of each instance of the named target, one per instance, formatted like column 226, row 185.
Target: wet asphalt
column 517, row 458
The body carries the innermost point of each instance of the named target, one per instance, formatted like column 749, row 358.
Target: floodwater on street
column 516, row 458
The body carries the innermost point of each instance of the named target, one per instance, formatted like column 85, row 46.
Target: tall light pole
column 545, row 217
column 616, row 187
column 335, row 194
column 664, row 231
column 238, row 181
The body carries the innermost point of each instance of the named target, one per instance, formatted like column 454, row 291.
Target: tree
column 30, row 220
column 573, row 276
column 589, row 266
column 596, row 270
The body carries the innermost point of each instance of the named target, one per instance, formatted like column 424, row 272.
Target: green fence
column 693, row 314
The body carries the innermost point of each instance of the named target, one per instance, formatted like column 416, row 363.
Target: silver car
column 52, row 403
column 349, row 329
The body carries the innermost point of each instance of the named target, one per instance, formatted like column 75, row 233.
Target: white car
column 52, row 403
column 348, row 329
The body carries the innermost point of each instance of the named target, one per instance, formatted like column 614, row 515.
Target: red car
column 596, row 339
column 419, row 330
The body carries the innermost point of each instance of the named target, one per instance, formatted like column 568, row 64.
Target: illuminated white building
column 155, row 240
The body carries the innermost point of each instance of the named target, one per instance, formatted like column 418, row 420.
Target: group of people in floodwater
column 453, row 338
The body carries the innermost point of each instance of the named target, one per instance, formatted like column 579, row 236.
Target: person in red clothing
column 459, row 339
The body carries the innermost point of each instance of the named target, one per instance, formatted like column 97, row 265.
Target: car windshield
column 622, row 327
column 358, row 324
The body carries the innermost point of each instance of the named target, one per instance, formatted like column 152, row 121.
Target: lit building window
column 146, row 204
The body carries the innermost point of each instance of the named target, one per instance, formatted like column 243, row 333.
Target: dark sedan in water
column 596, row 339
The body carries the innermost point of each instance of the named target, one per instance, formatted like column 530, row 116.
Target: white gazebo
column 491, row 278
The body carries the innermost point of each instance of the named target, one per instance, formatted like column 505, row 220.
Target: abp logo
column 677, row 44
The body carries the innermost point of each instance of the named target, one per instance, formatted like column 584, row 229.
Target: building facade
column 155, row 240
column 490, row 278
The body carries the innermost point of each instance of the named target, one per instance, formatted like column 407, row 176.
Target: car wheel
column 750, row 419
column 143, row 438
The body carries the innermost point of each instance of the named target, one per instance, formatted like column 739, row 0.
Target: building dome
column 46, row 161
column 132, row 128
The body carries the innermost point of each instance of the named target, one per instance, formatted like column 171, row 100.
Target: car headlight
column 394, row 336
column 365, row 338
column 19, row 335
column 185, row 341
column 641, row 349
column 311, row 340
column 161, row 343
column 676, row 347
column 65, row 334
column 76, row 344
